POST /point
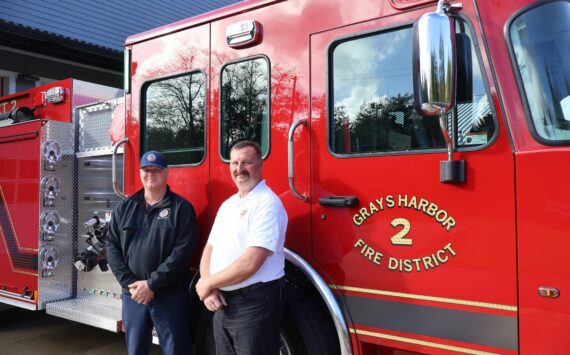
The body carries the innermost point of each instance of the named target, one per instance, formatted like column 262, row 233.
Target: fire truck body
column 400, row 240
column 47, row 160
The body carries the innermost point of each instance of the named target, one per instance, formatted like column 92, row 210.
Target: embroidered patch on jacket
column 164, row 213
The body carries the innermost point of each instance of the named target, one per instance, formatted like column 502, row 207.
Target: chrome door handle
column 114, row 168
column 290, row 160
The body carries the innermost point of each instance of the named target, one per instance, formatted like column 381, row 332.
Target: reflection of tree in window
column 244, row 104
column 175, row 116
column 387, row 124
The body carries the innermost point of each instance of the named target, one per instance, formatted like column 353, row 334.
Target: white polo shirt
column 258, row 220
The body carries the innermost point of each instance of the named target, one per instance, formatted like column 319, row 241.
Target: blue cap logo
column 153, row 158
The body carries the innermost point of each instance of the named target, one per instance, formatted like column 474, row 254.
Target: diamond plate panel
column 85, row 93
column 93, row 106
column 56, row 271
column 94, row 123
column 98, row 311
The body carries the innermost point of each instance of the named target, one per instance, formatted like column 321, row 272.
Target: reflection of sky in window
column 370, row 68
column 540, row 49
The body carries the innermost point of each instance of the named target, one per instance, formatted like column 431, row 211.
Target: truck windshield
column 540, row 42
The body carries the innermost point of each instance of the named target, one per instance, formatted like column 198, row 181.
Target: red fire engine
column 418, row 147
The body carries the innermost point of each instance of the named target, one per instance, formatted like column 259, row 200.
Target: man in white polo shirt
column 243, row 262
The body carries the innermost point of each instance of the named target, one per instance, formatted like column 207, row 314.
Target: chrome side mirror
column 434, row 62
column 435, row 71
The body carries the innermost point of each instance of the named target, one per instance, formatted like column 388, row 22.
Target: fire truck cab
column 417, row 145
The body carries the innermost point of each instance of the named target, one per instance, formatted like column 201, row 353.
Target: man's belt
column 244, row 290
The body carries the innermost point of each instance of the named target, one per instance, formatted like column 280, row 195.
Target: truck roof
column 226, row 11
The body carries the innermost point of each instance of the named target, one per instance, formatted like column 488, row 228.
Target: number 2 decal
column 400, row 237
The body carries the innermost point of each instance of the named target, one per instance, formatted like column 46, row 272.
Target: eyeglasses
column 152, row 171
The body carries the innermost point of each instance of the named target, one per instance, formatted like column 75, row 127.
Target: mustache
column 242, row 173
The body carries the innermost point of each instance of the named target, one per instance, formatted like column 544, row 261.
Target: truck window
column 174, row 117
column 540, row 39
column 244, row 104
column 372, row 99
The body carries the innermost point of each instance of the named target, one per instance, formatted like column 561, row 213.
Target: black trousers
column 249, row 324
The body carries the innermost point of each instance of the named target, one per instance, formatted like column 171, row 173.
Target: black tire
column 306, row 328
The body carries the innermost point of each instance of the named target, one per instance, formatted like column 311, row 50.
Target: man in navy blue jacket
column 150, row 242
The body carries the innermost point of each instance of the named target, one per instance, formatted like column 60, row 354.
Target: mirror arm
column 446, row 135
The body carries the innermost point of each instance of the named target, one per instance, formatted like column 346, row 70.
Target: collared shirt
column 257, row 220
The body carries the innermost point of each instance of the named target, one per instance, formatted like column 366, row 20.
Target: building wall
column 83, row 39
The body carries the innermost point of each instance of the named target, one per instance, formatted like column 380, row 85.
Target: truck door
column 419, row 264
column 168, row 113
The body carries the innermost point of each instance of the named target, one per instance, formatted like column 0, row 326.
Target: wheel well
column 304, row 301
column 299, row 282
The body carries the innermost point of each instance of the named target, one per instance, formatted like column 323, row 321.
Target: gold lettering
column 427, row 263
column 408, row 265
column 357, row 219
column 364, row 213
column 439, row 253
column 413, row 203
column 373, row 208
column 443, row 215
column 448, row 248
column 392, row 263
column 369, row 253
column 449, row 223
column 377, row 257
column 379, row 203
column 417, row 261
column 434, row 259
column 359, row 243
column 432, row 209
column 423, row 204
column 403, row 200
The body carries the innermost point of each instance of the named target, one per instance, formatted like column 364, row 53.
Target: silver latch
column 50, row 189
column 52, row 153
column 49, row 259
column 49, row 222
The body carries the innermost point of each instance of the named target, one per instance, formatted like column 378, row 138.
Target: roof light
column 55, row 95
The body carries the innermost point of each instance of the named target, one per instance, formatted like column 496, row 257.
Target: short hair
column 245, row 144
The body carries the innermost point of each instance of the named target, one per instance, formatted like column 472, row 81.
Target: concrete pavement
column 24, row 332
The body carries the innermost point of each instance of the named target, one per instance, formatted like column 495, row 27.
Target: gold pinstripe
column 501, row 307
column 420, row 342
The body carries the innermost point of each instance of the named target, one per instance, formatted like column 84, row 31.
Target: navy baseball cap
column 153, row 158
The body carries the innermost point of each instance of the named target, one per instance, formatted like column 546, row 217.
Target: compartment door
column 169, row 103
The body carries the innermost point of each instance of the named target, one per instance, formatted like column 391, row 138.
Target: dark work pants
column 170, row 316
column 249, row 324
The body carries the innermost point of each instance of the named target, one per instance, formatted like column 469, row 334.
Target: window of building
column 174, row 118
column 372, row 98
column 244, row 104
